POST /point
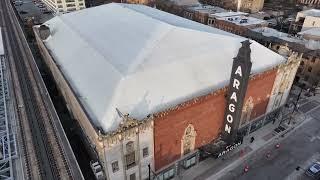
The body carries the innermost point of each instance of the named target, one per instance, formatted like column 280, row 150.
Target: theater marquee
column 236, row 93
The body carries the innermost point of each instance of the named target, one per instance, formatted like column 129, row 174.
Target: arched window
column 246, row 111
column 188, row 140
column 129, row 147
column 130, row 157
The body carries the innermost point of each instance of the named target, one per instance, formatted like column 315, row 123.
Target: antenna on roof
column 119, row 113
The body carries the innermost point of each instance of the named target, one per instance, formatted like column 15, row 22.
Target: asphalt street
column 300, row 148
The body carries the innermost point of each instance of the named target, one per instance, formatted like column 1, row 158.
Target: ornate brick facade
column 206, row 115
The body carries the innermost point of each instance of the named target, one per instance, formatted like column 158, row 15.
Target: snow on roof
column 310, row 44
column 275, row 33
column 311, row 12
column 243, row 20
column 185, row 2
column 142, row 60
column 229, row 13
column 206, row 9
column 312, row 31
column 1, row 43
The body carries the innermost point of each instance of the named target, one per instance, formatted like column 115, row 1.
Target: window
column 71, row 5
column 133, row 176
column 60, row 6
column 58, row 1
column 189, row 162
column 309, row 69
column 80, row 4
column 130, row 147
column 130, row 160
column 313, row 23
column 115, row 166
column 71, row 9
column 145, row 152
column 169, row 174
column 130, row 156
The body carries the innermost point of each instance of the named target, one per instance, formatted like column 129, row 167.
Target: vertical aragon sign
column 236, row 93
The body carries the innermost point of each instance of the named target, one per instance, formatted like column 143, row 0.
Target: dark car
column 314, row 170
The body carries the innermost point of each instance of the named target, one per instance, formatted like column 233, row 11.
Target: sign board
column 229, row 148
column 236, row 93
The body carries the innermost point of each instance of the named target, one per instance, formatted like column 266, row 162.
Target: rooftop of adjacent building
column 229, row 14
column 312, row 32
column 311, row 12
column 185, row 2
column 243, row 20
column 142, row 60
column 310, row 44
column 206, row 9
column 238, row 18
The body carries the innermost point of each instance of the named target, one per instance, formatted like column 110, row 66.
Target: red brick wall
column 206, row 114
column 259, row 88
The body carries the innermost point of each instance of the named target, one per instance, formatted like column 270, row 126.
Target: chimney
column 44, row 32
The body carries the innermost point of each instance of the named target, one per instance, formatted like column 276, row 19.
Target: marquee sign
column 229, row 148
column 237, row 90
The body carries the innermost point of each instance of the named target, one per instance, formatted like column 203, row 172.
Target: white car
column 314, row 170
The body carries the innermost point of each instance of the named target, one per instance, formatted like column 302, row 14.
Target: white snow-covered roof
column 311, row 12
column 244, row 20
column 142, row 60
column 310, row 44
column 1, row 43
column 186, row 2
column 275, row 33
column 313, row 31
column 229, row 13
column 206, row 9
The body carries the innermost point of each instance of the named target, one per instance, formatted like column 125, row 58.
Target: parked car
column 314, row 170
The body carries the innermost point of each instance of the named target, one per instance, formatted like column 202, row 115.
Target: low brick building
column 250, row 6
column 309, row 69
column 235, row 22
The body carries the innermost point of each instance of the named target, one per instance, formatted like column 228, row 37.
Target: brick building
column 200, row 13
column 306, row 20
column 174, row 74
column 250, row 6
column 235, row 22
column 309, row 69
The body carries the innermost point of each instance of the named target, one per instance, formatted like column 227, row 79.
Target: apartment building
column 65, row 6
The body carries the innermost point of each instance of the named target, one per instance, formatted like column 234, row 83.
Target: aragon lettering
column 238, row 84
column 229, row 148
column 233, row 99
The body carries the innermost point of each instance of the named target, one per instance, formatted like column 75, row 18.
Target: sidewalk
column 215, row 168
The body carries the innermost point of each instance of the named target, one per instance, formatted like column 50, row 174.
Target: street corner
column 299, row 173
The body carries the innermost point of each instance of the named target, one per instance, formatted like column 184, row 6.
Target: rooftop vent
column 44, row 32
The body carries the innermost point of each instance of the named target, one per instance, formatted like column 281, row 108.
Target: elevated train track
column 46, row 150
